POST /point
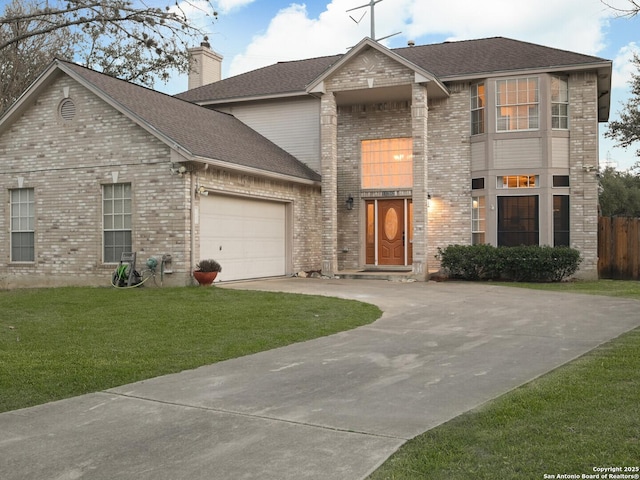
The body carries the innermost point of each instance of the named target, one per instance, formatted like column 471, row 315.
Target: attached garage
column 247, row 236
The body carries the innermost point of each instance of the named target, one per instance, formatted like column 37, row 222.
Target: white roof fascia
column 529, row 71
column 252, row 170
column 254, row 98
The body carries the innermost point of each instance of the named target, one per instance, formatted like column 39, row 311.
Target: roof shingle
column 446, row 61
column 202, row 132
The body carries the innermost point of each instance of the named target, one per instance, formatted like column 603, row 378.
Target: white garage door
column 246, row 236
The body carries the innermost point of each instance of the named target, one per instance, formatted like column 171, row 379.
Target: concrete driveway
column 330, row 408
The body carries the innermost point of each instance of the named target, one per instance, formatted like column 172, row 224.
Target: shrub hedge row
column 519, row 264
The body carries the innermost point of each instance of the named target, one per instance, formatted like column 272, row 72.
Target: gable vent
column 67, row 109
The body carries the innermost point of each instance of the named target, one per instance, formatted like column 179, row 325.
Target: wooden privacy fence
column 619, row 248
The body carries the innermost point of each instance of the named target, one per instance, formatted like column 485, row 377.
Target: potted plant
column 206, row 271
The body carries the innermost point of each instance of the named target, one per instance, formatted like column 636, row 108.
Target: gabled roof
column 434, row 85
column 198, row 133
column 448, row 61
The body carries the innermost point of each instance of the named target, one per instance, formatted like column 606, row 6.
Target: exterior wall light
column 350, row 202
column 428, row 200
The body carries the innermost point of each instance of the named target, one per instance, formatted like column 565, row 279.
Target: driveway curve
column 330, row 408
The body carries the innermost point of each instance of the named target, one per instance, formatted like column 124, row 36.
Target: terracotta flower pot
column 205, row 278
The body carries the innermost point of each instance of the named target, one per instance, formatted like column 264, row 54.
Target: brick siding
column 67, row 162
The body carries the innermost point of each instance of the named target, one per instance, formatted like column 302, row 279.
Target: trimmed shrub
column 519, row 264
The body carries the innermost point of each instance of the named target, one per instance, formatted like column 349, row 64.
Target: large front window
column 517, row 104
column 518, row 222
column 116, row 206
column 477, row 109
column 387, row 163
column 22, row 225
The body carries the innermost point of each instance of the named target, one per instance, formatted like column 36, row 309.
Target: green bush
column 520, row 264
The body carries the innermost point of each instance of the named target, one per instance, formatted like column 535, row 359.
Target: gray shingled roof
column 202, row 132
column 497, row 54
column 278, row 79
column 446, row 61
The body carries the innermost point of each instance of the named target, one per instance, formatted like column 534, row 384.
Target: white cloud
column 623, row 67
column 292, row 35
column 570, row 24
column 575, row 25
column 227, row 6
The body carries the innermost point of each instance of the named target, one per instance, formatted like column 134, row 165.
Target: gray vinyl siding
column 560, row 153
column 478, row 156
column 518, row 153
column 293, row 124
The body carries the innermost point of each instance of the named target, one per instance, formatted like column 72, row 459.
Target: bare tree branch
column 631, row 11
column 135, row 42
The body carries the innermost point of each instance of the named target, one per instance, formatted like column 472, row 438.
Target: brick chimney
column 205, row 66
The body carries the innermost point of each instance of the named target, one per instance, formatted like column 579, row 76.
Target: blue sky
column 253, row 33
column 250, row 34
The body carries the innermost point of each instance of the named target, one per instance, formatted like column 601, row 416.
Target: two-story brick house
column 483, row 141
column 368, row 160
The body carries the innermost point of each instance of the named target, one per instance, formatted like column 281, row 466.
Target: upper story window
column 559, row 103
column 517, row 104
column 387, row 163
column 22, row 225
column 477, row 109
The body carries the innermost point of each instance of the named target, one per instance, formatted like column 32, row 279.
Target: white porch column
column 419, row 113
column 329, row 170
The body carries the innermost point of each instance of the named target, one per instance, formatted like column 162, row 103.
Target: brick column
column 329, row 170
column 583, row 151
column 419, row 113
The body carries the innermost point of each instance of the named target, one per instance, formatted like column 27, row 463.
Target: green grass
column 611, row 288
column 58, row 343
column 583, row 415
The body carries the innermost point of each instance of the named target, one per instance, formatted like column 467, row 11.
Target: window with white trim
column 478, row 223
column 559, row 103
column 517, row 104
column 477, row 109
column 116, row 214
column 518, row 181
column 22, row 225
column 387, row 163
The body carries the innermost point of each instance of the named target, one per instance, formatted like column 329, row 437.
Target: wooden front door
column 389, row 232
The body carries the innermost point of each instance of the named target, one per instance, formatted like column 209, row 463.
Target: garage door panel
column 246, row 236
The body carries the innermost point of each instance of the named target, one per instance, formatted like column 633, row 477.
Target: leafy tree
column 123, row 38
column 619, row 193
column 626, row 131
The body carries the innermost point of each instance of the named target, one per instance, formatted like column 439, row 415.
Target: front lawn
column 58, row 343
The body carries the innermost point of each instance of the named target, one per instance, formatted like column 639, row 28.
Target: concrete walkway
column 330, row 408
